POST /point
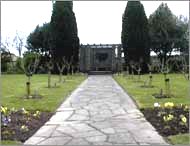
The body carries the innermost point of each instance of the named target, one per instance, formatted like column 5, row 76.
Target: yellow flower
column 169, row 104
column 3, row 109
column 25, row 112
column 37, row 112
column 168, row 118
column 186, row 107
column 24, row 128
column 35, row 115
column 184, row 119
column 164, row 118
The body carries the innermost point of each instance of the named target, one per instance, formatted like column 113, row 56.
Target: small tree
column 61, row 66
column 183, row 67
column 70, row 66
column 5, row 47
column 50, row 66
column 126, row 72
column 138, row 69
column 31, row 62
column 150, row 68
column 132, row 66
column 18, row 43
column 77, row 68
column 5, row 59
column 148, row 82
column 165, row 69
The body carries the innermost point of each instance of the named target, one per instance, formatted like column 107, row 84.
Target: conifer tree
column 135, row 39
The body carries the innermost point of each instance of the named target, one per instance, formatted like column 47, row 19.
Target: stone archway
column 103, row 57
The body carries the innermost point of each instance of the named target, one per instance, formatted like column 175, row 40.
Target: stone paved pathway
column 98, row 112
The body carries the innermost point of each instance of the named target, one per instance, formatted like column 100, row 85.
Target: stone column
column 88, row 58
column 119, row 59
column 113, row 58
column 81, row 56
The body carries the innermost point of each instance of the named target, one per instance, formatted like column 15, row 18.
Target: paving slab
column 78, row 141
column 98, row 112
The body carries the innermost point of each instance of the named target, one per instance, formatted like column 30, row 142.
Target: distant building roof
column 99, row 45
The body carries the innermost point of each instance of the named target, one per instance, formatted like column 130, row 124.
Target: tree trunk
column 28, row 87
column 139, row 75
column 60, row 77
column 150, row 79
column 49, row 79
column 132, row 72
column 165, row 58
column 72, row 70
column 167, row 86
column 29, row 79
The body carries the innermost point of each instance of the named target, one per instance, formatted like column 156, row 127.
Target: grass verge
column 144, row 96
column 10, row 142
column 13, row 92
column 180, row 139
column 14, row 89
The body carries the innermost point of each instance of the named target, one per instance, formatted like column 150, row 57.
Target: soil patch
column 21, row 125
column 168, row 121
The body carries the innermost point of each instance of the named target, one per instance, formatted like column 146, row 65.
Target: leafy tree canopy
column 167, row 32
column 40, row 40
column 59, row 37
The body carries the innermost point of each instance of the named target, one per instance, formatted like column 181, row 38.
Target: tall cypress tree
column 64, row 31
column 135, row 39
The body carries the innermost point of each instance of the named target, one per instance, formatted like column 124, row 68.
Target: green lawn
column 13, row 90
column 143, row 96
column 180, row 139
column 9, row 142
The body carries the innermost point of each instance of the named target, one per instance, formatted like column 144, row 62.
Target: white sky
column 97, row 21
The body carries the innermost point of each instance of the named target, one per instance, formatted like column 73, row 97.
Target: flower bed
column 19, row 125
column 168, row 119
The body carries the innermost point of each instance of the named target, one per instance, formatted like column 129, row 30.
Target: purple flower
column 5, row 120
